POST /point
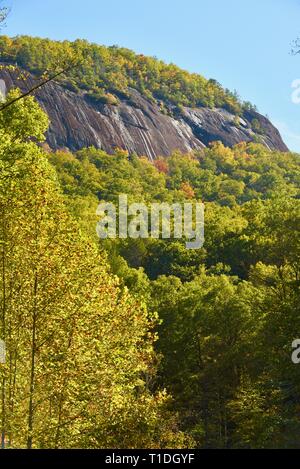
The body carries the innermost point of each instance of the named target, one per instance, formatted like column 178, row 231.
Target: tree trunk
column 32, row 369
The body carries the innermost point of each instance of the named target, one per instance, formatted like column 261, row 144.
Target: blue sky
column 245, row 45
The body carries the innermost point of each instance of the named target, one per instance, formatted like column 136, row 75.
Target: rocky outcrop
column 139, row 125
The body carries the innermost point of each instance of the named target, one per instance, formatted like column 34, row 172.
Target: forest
column 143, row 343
column 104, row 74
column 228, row 313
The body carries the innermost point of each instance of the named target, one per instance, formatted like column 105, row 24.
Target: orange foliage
column 187, row 189
column 162, row 166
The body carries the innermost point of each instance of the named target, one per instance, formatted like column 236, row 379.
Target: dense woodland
column 105, row 73
column 143, row 343
column 228, row 312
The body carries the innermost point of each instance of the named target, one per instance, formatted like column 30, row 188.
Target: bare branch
column 35, row 88
column 295, row 47
column 4, row 12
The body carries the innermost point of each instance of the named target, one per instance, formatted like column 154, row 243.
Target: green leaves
column 79, row 348
column 24, row 120
column 88, row 353
column 105, row 72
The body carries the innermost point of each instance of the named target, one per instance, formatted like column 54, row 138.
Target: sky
column 245, row 45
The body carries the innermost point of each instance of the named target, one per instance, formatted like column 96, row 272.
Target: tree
column 80, row 358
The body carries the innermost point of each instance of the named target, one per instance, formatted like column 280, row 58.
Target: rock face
column 138, row 125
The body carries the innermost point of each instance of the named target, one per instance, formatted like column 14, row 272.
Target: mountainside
column 110, row 103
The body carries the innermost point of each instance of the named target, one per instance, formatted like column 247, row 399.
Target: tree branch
column 33, row 89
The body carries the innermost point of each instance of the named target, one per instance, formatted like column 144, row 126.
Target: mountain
column 116, row 98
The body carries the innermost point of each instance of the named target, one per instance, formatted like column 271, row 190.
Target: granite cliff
column 140, row 125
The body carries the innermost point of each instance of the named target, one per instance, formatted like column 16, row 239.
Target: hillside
column 137, row 342
column 117, row 99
